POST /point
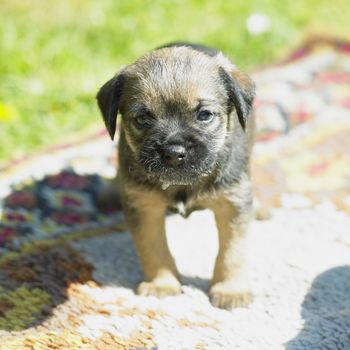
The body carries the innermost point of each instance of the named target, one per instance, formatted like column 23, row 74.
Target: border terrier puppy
column 185, row 143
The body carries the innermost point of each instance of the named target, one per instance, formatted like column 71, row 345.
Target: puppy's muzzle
column 174, row 155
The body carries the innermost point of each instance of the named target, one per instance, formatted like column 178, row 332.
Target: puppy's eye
column 143, row 121
column 205, row 116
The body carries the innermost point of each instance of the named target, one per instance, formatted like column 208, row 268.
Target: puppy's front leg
column 146, row 220
column 229, row 287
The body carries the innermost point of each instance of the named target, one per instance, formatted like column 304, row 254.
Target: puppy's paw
column 229, row 295
column 159, row 288
column 262, row 214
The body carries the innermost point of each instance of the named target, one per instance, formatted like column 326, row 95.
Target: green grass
column 55, row 54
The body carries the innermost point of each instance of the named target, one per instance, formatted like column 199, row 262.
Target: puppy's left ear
column 108, row 100
column 241, row 91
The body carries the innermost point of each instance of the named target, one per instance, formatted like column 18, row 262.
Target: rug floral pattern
column 67, row 269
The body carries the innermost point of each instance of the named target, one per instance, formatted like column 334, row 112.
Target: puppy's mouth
column 185, row 178
column 181, row 175
column 176, row 166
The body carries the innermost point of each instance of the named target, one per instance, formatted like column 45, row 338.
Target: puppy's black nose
column 174, row 154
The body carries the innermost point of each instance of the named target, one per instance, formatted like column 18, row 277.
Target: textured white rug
column 300, row 264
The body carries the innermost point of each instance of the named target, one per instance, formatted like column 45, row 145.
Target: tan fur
column 230, row 287
column 153, row 92
column 146, row 214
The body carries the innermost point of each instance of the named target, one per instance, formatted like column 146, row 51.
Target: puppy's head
column 179, row 106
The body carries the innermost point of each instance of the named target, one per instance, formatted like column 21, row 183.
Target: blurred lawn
column 55, row 54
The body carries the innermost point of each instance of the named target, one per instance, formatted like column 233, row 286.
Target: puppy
column 185, row 142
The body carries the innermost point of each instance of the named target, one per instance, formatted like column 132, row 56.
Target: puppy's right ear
column 108, row 100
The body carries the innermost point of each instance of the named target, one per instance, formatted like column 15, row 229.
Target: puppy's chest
column 183, row 202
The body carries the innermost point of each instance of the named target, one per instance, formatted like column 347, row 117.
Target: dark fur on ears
column 108, row 99
column 241, row 91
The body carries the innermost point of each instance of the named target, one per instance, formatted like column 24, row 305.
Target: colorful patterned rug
column 68, row 268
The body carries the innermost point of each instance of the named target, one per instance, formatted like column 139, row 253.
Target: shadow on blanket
column 326, row 313
column 40, row 265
